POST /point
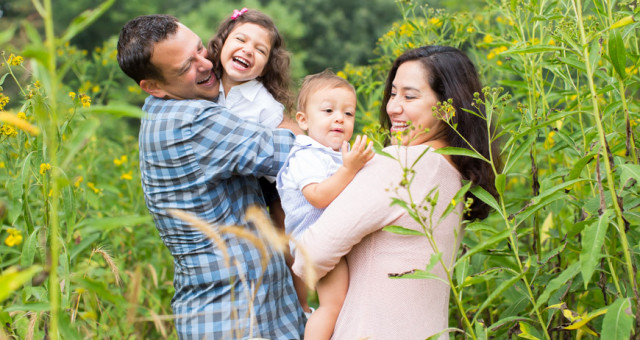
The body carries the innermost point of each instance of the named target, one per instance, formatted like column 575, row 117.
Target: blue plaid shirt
column 198, row 157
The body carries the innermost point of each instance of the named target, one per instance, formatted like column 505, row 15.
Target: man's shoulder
column 159, row 105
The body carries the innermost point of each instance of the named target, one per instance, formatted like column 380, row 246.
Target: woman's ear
column 152, row 87
column 301, row 118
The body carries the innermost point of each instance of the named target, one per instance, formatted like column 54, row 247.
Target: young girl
column 249, row 57
column 318, row 168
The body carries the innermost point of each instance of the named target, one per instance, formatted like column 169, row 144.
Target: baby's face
column 245, row 53
column 330, row 116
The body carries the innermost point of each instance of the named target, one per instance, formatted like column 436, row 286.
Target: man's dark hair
column 136, row 42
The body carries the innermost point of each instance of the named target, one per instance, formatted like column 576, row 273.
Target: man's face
column 187, row 72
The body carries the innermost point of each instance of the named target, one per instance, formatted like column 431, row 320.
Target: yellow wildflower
column 44, row 167
column 77, row 182
column 72, row 95
column 93, row 187
column 341, row 75
column 488, row 39
column 500, row 19
column 14, row 238
column 9, row 131
column 549, row 142
column 15, row 60
column 499, row 62
column 85, row 100
column 95, row 88
column 22, row 115
column 119, row 161
column 4, row 100
column 435, row 22
column 470, row 29
column 36, row 84
column 127, row 175
column 453, row 202
column 2, row 165
column 491, row 55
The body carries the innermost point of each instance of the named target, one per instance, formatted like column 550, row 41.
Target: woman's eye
column 392, row 95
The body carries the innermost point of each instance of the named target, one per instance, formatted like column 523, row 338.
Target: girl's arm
column 322, row 193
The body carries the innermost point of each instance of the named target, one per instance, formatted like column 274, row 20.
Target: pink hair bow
column 237, row 13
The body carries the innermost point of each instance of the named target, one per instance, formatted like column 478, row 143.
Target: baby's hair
column 275, row 76
column 318, row 81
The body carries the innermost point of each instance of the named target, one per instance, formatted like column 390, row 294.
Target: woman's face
column 412, row 100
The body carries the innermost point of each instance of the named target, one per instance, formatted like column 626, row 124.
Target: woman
column 377, row 306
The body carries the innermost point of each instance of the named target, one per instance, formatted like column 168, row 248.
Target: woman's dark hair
column 275, row 76
column 451, row 75
column 136, row 42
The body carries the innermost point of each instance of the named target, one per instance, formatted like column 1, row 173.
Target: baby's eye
column 328, row 110
column 350, row 114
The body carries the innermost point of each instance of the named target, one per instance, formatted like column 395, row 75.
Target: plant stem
column 577, row 5
column 51, row 141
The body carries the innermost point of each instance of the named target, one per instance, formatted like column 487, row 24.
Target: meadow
column 556, row 259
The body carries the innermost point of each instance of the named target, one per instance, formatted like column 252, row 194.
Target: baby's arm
column 322, row 193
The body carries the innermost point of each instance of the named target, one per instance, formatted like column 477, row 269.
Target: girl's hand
column 361, row 152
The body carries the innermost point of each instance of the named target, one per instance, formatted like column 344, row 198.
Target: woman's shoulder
column 422, row 157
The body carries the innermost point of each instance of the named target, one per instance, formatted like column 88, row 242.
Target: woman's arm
column 362, row 208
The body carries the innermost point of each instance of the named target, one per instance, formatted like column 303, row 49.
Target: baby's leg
column 298, row 284
column 332, row 290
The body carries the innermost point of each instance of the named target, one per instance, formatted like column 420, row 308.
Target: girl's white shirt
column 253, row 102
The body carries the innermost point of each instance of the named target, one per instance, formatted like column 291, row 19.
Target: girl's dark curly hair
column 275, row 77
column 452, row 75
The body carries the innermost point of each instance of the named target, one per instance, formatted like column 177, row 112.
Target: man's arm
column 227, row 145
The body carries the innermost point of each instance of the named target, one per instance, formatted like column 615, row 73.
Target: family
column 217, row 140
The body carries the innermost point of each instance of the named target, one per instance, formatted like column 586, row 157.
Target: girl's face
column 329, row 116
column 412, row 100
column 245, row 53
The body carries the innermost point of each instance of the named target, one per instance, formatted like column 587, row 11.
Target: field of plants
column 556, row 259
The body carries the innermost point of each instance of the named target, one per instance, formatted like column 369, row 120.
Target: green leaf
column 106, row 224
column 501, row 181
column 434, row 259
column 485, row 245
column 629, row 171
column 379, row 151
column 528, row 332
column 517, row 154
column 116, row 109
column 86, row 18
column 418, row 274
column 86, row 242
column 396, row 229
column 558, row 282
column 548, row 192
column 618, row 322
column 458, row 197
column 12, row 279
column 79, row 140
column 486, row 197
column 6, row 35
column 450, row 150
column 481, row 330
column 497, row 292
column 30, row 307
column 617, row 53
column 100, row 289
column 594, row 54
column 534, row 49
column 577, row 167
column 29, row 249
column 592, row 241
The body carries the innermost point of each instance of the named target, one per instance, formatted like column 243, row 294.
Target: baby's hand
column 361, row 152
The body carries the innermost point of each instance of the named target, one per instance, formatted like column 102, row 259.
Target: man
column 198, row 157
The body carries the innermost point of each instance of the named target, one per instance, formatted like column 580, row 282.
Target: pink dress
column 376, row 306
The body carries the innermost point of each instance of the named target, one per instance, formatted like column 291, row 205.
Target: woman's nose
column 393, row 107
